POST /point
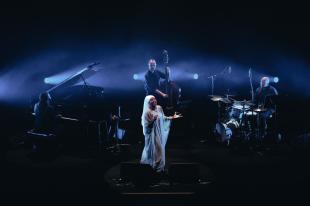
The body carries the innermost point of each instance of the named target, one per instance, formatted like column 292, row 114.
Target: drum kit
column 237, row 119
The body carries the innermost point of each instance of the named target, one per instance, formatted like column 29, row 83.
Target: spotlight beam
column 84, row 74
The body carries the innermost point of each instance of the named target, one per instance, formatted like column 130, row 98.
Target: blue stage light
column 135, row 76
column 138, row 76
column 196, row 76
column 276, row 79
column 46, row 80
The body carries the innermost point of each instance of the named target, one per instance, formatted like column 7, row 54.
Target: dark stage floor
column 277, row 174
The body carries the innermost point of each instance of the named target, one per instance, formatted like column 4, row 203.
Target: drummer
column 262, row 97
column 263, row 91
column 265, row 103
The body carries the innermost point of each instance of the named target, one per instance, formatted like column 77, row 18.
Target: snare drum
column 250, row 113
column 241, row 107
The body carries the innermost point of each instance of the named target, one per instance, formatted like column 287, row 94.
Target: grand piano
column 79, row 101
column 83, row 111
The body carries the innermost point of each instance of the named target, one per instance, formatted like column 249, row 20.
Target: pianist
column 45, row 116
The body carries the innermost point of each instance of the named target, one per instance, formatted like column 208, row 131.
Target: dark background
column 238, row 30
column 260, row 34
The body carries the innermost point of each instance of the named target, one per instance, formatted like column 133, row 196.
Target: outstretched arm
column 175, row 116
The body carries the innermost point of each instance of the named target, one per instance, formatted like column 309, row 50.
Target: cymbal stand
column 212, row 77
column 258, row 129
column 218, row 111
column 242, row 131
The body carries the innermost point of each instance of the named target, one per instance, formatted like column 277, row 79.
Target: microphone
column 212, row 76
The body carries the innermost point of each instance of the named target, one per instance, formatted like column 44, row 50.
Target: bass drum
column 223, row 131
column 226, row 130
column 233, row 124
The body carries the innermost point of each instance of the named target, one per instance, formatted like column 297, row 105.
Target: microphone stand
column 212, row 83
column 212, row 77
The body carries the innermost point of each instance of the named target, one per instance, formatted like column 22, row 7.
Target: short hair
column 152, row 61
column 265, row 81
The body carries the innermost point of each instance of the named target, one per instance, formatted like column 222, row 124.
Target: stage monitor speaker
column 184, row 173
column 141, row 175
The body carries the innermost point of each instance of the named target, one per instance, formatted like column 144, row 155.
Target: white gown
column 156, row 134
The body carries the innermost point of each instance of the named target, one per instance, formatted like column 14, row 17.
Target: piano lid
column 76, row 78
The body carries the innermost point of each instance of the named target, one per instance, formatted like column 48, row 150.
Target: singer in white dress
column 156, row 127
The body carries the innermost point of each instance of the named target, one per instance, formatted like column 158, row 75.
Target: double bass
column 171, row 88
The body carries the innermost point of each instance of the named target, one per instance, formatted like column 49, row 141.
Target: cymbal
column 221, row 99
column 260, row 110
column 216, row 96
